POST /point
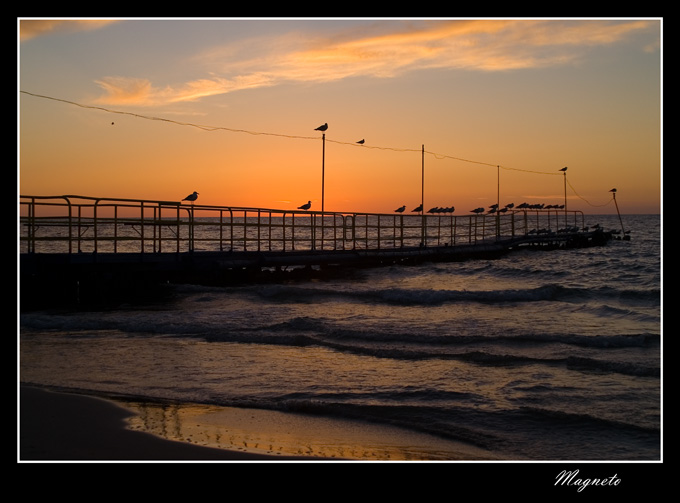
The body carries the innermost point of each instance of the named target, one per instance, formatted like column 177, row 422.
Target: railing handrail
column 154, row 225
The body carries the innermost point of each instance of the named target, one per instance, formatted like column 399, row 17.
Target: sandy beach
column 69, row 427
column 57, row 426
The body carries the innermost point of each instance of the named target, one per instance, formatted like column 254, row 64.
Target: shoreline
column 57, row 426
column 65, row 426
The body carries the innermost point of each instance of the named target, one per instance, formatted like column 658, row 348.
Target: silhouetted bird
column 361, row 141
column 400, row 210
column 191, row 197
column 322, row 128
column 419, row 208
column 564, row 169
column 510, row 205
column 477, row 210
column 305, row 206
column 613, row 190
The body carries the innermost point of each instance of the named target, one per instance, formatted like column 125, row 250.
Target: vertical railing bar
column 141, row 230
column 115, row 228
column 259, row 227
column 179, row 240
column 221, row 232
column 96, row 228
column 80, row 212
column 156, row 233
column 269, row 230
column 245, row 230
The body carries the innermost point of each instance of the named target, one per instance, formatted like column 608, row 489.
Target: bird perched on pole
column 613, row 190
column 305, row 206
column 564, row 169
column 191, row 197
column 322, row 127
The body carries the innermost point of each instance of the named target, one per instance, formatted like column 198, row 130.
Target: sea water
column 537, row 355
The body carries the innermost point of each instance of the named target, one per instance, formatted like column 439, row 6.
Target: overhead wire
column 260, row 133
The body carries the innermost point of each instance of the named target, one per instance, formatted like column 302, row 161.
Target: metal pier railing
column 78, row 224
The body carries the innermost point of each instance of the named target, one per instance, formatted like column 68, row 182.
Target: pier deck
column 73, row 244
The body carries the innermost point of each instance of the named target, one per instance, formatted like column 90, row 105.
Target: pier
column 70, row 245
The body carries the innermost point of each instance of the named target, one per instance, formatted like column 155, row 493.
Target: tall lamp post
column 323, row 128
column 564, row 172
column 423, row 224
column 498, row 200
column 625, row 236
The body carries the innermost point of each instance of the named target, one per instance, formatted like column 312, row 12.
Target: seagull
column 191, row 197
column 613, row 190
column 322, row 128
column 400, row 210
column 419, row 208
column 564, row 169
column 477, row 210
column 305, row 206
column 361, row 142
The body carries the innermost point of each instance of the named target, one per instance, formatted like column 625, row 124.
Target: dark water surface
column 552, row 355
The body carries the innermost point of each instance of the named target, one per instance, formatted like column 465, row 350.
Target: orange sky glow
column 156, row 109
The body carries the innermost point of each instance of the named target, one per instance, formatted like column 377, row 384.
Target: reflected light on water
column 285, row 434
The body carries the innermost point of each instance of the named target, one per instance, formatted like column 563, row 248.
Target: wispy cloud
column 32, row 28
column 483, row 45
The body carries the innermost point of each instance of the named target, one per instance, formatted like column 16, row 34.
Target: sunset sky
column 159, row 108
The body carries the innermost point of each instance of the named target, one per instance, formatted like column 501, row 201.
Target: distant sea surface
column 538, row 355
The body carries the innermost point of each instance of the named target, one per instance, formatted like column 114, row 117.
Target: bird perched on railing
column 305, row 206
column 323, row 127
column 400, row 210
column 419, row 208
column 191, row 197
column 477, row 210
column 361, row 142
